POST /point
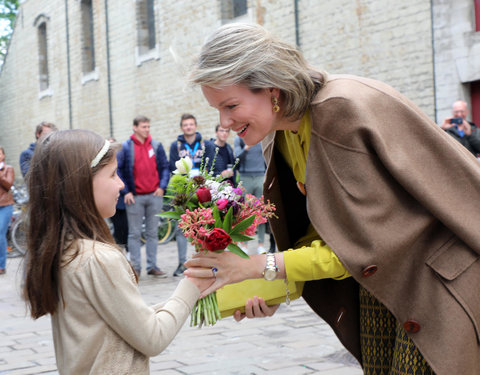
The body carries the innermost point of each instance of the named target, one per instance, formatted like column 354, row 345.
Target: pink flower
column 222, row 204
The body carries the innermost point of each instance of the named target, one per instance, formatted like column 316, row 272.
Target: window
column 88, row 48
column 233, row 9
column 145, row 26
column 42, row 56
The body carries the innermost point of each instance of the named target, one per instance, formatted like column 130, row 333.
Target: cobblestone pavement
column 294, row 341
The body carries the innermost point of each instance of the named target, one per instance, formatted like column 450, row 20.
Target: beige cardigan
column 104, row 326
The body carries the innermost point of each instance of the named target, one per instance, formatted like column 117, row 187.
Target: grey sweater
column 252, row 162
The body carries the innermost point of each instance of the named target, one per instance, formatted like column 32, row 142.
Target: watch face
column 270, row 274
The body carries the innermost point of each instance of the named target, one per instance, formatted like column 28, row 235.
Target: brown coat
column 7, row 177
column 398, row 201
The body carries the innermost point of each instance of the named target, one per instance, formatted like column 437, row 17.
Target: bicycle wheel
column 166, row 230
column 19, row 235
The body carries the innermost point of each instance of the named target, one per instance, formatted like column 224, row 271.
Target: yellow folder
column 233, row 297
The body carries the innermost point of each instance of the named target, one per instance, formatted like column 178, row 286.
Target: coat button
column 271, row 183
column 411, row 326
column 369, row 271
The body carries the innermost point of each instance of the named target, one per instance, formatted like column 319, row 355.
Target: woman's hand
column 255, row 308
column 229, row 268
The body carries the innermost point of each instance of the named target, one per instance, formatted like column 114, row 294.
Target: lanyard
column 189, row 149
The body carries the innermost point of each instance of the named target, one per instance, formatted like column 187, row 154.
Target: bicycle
column 17, row 232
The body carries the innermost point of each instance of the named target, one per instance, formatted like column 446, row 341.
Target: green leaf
column 236, row 250
column 191, row 206
column 217, row 217
column 240, row 237
column 244, row 224
column 170, row 214
column 227, row 222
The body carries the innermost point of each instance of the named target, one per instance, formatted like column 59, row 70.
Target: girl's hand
column 201, row 284
column 255, row 308
column 230, row 268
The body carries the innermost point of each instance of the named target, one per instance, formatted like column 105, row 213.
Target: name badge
column 151, row 153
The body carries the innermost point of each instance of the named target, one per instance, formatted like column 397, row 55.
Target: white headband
column 100, row 154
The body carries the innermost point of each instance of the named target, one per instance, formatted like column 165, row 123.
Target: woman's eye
column 231, row 106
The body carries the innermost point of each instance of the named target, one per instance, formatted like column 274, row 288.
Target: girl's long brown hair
column 61, row 210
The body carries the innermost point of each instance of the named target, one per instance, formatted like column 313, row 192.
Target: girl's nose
column 121, row 185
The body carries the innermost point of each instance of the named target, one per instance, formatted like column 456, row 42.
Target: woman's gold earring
column 276, row 107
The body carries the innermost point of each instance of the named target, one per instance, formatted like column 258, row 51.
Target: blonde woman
column 390, row 229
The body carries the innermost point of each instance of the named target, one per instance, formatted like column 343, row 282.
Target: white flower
column 184, row 165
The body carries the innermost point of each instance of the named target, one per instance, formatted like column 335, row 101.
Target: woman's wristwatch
column 271, row 270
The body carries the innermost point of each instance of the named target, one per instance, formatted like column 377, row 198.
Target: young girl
column 76, row 273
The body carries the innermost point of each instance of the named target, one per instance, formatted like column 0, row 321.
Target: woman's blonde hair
column 248, row 54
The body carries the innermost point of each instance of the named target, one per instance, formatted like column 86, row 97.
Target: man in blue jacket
column 41, row 130
column 143, row 168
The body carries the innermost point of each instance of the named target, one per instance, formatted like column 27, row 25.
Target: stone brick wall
column 457, row 53
column 387, row 40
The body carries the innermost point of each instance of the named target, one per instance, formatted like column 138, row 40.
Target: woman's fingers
column 255, row 307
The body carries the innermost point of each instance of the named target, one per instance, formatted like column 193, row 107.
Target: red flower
column 217, row 239
column 203, row 195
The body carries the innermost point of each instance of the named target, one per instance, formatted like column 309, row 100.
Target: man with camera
column 462, row 130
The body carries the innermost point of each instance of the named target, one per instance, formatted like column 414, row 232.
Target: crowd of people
column 368, row 217
column 145, row 170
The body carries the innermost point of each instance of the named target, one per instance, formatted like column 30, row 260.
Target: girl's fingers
column 212, row 288
column 199, row 272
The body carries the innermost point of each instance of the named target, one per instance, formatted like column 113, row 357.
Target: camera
column 456, row 120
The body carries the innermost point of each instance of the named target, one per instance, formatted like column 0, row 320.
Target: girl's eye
column 232, row 106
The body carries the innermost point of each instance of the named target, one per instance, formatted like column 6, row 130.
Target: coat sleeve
column 474, row 139
column 163, row 167
column 115, row 296
column 121, row 168
column 25, row 159
column 7, row 179
column 173, row 156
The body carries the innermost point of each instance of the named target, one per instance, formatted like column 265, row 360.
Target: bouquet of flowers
column 214, row 216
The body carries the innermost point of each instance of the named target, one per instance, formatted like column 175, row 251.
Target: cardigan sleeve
column 109, row 287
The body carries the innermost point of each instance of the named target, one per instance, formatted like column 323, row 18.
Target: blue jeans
column 5, row 216
column 181, row 246
column 147, row 206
